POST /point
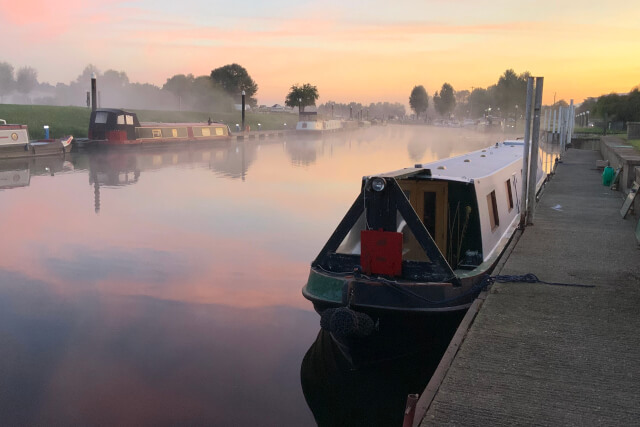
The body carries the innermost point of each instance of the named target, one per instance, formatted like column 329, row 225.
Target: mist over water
column 164, row 286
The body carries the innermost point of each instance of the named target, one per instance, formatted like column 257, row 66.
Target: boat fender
column 346, row 322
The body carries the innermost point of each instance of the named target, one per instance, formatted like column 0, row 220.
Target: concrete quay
column 536, row 354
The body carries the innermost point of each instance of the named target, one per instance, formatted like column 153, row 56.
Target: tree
column 301, row 96
column 179, row 85
column 7, row 82
column 26, row 80
column 511, row 90
column 233, row 79
column 419, row 100
column 479, row 101
column 445, row 102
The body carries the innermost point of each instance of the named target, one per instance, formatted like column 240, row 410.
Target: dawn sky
column 363, row 51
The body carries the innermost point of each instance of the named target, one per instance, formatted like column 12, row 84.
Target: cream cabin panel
column 13, row 137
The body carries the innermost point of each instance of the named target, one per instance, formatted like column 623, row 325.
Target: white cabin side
column 499, row 206
column 332, row 125
column 9, row 135
column 314, row 126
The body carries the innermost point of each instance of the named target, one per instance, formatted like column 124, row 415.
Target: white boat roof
column 470, row 166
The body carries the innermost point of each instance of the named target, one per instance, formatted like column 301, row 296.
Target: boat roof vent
column 467, row 160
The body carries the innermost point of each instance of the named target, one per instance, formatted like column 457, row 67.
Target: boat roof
column 466, row 167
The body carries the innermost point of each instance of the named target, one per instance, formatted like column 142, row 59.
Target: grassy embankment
column 598, row 131
column 75, row 120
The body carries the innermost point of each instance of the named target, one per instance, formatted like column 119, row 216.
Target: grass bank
column 75, row 120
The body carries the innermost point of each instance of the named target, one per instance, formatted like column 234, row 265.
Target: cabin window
column 509, row 194
column 101, row 117
column 129, row 118
column 157, row 133
column 219, row 131
column 493, row 210
column 174, row 133
column 121, row 119
column 206, row 132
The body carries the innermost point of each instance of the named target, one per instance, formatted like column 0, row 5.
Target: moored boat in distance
column 309, row 123
column 118, row 128
column 15, row 143
column 417, row 244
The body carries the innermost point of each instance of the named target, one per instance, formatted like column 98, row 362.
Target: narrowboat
column 119, row 128
column 15, row 143
column 417, row 243
column 308, row 123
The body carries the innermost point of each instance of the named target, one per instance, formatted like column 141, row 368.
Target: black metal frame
column 381, row 209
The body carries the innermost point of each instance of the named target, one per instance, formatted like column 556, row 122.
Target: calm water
column 164, row 287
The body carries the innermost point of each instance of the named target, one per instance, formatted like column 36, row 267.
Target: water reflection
column 97, row 359
column 180, row 302
column 375, row 394
column 16, row 173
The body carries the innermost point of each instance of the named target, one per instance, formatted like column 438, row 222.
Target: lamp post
column 243, row 94
column 300, row 108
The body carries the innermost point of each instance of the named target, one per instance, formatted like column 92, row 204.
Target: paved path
column 551, row 355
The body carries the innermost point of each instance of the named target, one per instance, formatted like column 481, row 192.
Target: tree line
column 505, row 99
column 613, row 107
column 218, row 91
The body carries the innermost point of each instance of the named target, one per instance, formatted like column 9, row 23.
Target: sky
column 362, row 51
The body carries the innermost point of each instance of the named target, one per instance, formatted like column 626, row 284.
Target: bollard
column 410, row 410
column 237, row 127
column 259, row 126
column 46, row 132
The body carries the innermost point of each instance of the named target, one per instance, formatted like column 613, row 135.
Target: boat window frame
column 492, row 205
column 509, row 195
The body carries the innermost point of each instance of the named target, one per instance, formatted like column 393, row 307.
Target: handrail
column 4, row 122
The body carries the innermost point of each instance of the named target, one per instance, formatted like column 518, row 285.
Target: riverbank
column 75, row 120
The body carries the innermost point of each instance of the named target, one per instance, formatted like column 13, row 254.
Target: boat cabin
column 108, row 123
column 13, row 135
column 431, row 222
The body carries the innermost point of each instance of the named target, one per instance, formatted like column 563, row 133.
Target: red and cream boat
column 115, row 127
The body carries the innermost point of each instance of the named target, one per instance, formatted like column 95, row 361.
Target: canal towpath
column 540, row 354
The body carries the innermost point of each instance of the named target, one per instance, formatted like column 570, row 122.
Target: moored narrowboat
column 118, row 128
column 418, row 242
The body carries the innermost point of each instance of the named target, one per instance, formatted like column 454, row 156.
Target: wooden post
column 525, row 154
column 533, row 165
column 94, row 94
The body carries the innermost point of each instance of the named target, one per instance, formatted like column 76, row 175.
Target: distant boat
column 15, row 143
column 115, row 127
column 309, row 123
column 416, row 244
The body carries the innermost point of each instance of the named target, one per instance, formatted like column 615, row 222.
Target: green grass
column 635, row 143
column 61, row 120
column 75, row 120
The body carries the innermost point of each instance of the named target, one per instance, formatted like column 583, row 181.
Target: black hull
column 396, row 335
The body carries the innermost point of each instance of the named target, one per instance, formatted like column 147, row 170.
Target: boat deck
column 552, row 355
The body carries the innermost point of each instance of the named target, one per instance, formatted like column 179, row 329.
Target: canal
column 164, row 287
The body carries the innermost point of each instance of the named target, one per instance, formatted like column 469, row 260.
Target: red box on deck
column 381, row 252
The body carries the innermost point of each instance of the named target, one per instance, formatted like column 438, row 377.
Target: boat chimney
column 94, row 97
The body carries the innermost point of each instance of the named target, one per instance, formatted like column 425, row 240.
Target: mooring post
column 243, row 94
column 525, row 154
column 533, row 164
column 572, row 120
column 410, row 410
column 94, row 96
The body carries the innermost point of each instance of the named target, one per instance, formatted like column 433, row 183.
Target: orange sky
column 360, row 51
